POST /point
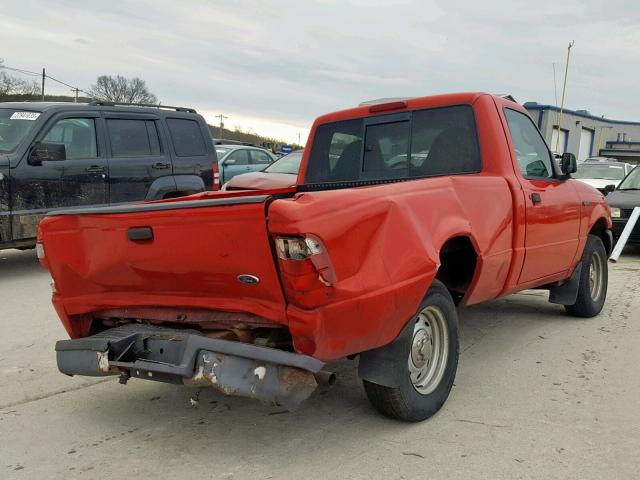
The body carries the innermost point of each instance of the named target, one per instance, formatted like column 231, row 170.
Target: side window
column 335, row 153
column 385, row 150
column 133, row 138
column 260, row 158
column 78, row 135
column 187, row 137
column 238, row 157
column 444, row 141
column 531, row 152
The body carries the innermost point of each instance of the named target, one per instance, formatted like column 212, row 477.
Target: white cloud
column 279, row 64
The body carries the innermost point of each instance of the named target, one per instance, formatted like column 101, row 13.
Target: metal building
column 586, row 135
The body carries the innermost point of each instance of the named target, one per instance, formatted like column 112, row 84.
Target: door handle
column 536, row 198
column 95, row 169
column 160, row 166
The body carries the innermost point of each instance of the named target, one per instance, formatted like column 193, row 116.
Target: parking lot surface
column 538, row 394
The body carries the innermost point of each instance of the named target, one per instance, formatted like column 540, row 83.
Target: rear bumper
column 188, row 357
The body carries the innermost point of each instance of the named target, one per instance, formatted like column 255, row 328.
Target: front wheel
column 594, row 278
column 431, row 361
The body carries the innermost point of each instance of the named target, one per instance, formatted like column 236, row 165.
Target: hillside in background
column 250, row 138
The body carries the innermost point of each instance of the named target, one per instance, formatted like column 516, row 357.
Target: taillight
column 216, row 176
column 40, row 253
column 306, row 270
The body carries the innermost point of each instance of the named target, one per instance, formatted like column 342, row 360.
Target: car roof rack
column 104, row 103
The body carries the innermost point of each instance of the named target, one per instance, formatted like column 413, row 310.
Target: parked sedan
column 280, row 174
column 600, row 174
column 622, row 202
column 236, row 159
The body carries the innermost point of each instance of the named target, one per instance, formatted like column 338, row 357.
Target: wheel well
column 599, row 229
column 458, row 260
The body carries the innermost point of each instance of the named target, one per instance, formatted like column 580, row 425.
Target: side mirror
column 609, row 188
column 230, row 161
column 47, row 152
column 568, row 164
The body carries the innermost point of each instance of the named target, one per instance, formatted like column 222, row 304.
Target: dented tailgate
column 213, row 253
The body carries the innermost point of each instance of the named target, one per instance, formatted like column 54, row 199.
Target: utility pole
column 299, row 139
column 564, row 89
column 44, row 75
column 221, row 117
column 76, row 90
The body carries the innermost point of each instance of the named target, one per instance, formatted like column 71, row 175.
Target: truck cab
column 61, row 155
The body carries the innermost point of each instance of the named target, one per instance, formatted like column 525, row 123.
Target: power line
column 44, row 75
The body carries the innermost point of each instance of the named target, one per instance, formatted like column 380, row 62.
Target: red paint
column 381, row 242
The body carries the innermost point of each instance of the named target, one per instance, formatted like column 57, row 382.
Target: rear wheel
column 594, row 278
column 431, row 363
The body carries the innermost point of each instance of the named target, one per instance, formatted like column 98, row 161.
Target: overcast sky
column 273, row 66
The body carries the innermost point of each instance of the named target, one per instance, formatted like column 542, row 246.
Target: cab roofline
column 411, row 103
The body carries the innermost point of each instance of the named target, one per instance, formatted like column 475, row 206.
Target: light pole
column 564, row 89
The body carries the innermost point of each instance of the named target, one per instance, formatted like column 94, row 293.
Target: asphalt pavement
column 538, row 395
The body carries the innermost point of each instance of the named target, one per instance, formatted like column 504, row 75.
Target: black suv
column 56, row 155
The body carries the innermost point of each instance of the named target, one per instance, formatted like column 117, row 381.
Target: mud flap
column 566, row 293
column 385, row 365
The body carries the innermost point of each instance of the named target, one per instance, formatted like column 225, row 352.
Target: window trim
column 52, row 122
column 258, row 150
column 384, row 120
column 391, row 118
column 205, row 153
column 138, row 119
column 556, row 177
column 234, row 151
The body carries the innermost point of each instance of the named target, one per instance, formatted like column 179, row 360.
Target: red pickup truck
column 402, row 210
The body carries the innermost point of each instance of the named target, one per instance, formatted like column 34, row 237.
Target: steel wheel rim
column 596, row 281
column 429, row 350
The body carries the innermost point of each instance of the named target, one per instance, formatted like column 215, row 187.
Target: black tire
column 590, row 299
column 405, row 402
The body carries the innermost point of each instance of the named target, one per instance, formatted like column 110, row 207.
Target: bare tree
column 121, row 89
column 12, row 85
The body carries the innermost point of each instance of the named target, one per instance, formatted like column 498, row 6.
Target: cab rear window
column 421, row 143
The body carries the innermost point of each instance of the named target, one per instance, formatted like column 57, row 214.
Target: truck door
column 137, row 157
column 552, row 205
column 79, row 179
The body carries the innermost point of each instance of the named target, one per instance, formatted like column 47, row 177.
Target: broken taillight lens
column 306, row 270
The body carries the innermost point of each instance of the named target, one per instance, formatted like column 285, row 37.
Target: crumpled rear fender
column 384, row 244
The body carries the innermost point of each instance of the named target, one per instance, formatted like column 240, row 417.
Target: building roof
column 577, row 113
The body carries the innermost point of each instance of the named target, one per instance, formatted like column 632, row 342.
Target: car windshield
column 287, row 164
column 632, row 182
column 221, row 151
column 604, row 171
column 14, row 127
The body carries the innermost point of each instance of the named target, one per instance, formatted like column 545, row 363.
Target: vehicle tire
column 594, row 278
column 431, row 361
